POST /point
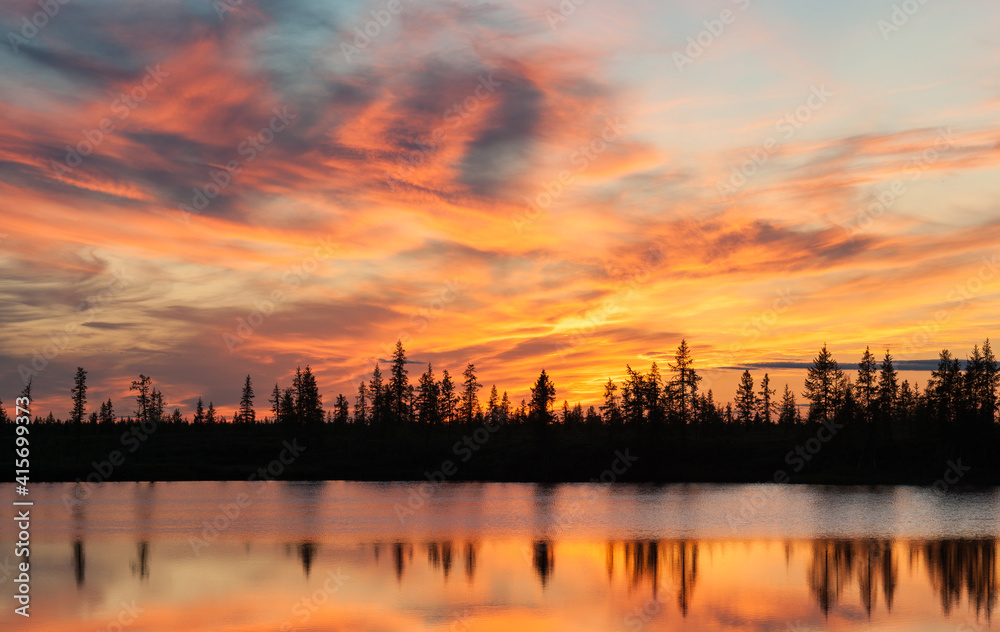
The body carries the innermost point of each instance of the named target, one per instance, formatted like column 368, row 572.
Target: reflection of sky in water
column 330, row 556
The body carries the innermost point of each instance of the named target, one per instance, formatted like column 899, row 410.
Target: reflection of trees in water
column 610, row 560
column 543, row 559
column 145, row 499
column 398, row 551
column 402, row 552
column 829, row 571
column 470, row 561
column 877, row 570
column 79, row 528
column 79, row 562
column 683, row 564
column 955, row 568
column 439, row 555
column 644, row 560
column 835, row 564
column 141, row 567
column 962, row 566
column 306, row 551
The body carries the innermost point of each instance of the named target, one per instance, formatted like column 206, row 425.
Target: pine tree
column 943, row 390
column 275, row 401
column 156, row 406
column 411, row 403
column 505, row 408
column 867, row 386
column 341, row 413
column 789, row 411
column 633, row 396
column 79, row 392
column 107, row 415
column 991, row 384
column 142, row 387
column 399, row 385
column 822, row 383
column 428, row 405
column 296, row 416
column 470, row 397
column 907, row 407
column 655, row 396
column 376, row 391
column 765, row 404
column 543, row 395
column 199, row 412
column 210, row 417
column 973, row 385
column 4, row 419
column 611, row 411
column 247, row 414
column 888, row 395
column 746, row 401
column 287, row 411
column 683, row 384
column 308, row 401
column 448, row 398
column 361, row 405
column 708, row 412
column 493, row 405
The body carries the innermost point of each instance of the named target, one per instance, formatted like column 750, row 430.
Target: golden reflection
column 79, row 562
column 543, row 560
column 957, row 567
column 140, row 566
column 306, row 551
column 516, row 583
column 470, row 561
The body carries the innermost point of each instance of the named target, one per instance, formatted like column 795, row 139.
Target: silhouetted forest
column 861, row 427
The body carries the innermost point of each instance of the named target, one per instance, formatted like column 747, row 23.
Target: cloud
column 460, row 214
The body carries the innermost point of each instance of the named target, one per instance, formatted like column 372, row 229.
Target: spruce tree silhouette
column 399, row 386
column 765, row 405
column 823, row 380
column 448, row 399
column 79, row 392
column 361, row 416
column 246, row 413
column 746, row 400
column 428, row 399
column 683, row 388
column 887, row 401
column 470, row 397
column 866, row 387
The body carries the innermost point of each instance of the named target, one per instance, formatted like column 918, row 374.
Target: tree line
column 954, row 400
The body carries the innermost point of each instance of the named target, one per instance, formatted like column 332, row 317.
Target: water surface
column 453, row 557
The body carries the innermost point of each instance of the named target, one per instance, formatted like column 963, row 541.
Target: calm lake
column 459, row 557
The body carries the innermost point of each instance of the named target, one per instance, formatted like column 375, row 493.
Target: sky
column 198, row 190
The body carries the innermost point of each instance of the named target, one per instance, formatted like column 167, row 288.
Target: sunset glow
column 200, row 190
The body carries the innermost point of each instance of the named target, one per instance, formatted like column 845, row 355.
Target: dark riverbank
column 805, row 453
